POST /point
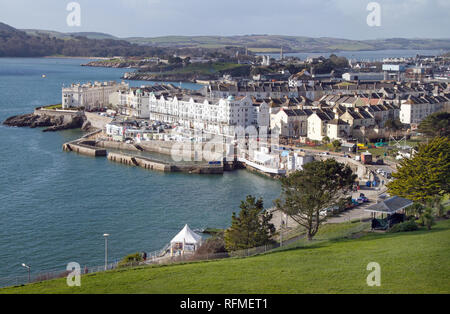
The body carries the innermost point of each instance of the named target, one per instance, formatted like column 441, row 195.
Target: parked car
column 365, row 199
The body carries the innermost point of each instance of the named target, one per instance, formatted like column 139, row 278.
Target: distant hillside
column 102, row 44
column 59, row 35
column 267, row 43
column 16, row 43
column 94, row 35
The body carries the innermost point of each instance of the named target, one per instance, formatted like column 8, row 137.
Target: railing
column 157, row 257
column 54, row 274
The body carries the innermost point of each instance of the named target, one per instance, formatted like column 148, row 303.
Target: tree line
column 306, row 194
column 15, row 43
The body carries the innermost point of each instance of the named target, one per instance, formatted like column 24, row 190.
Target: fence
column 159, row 257
column 52, row 274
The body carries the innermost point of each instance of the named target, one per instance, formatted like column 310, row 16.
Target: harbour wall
column 84, row 148
column 179, row 151
column 67, row 115
column 97, row 121
column 149, row 164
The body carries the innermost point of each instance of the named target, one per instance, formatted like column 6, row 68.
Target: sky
column 311, row 18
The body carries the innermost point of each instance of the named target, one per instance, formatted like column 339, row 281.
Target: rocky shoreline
column 111, row 64
column 51, row 123
column 167, row 77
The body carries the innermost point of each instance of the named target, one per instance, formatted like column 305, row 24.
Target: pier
column 148, row 163
column 88, row 147
column 84, row 149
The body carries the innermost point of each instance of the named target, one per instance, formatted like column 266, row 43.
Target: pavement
column 356, row 213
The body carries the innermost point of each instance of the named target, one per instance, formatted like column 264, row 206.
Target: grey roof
column 390, row 206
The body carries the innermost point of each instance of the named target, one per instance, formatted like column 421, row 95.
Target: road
column 356, row 213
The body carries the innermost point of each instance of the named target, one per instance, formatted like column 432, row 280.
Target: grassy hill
column 272, row 43
column 264, row 43
column 17, row 43
column 413, row 262
column 59, row 35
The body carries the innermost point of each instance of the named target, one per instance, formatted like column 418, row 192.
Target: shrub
column 131, row 259
column 410, row 225
column 215, row 244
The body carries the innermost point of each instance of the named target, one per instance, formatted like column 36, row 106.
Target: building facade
column 90, row 95
column 214, row 116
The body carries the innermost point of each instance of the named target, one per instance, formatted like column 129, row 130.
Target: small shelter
column 186, row 241
column 392, row 208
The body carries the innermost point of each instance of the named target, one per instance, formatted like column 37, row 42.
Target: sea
column 55, row 206
column 369, row 56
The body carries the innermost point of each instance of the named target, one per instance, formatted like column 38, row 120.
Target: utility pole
column 29, row 271
column 106, row 235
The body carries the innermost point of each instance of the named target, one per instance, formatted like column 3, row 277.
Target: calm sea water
column 362, row 55
column 55, row 206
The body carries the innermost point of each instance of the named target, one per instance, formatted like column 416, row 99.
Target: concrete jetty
column 84, row 148
column 150, row 164
column 88, row 147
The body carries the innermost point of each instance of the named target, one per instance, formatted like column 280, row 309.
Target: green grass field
column 411, row 262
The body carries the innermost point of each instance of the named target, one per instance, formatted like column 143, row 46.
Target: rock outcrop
column 53, row 123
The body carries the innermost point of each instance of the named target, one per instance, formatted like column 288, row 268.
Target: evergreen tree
column 425, row 175
column 251, row 228
column 436, row 124
column 305, row 194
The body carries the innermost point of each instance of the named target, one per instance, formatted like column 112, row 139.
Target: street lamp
column 106, row 235
column 29, row 271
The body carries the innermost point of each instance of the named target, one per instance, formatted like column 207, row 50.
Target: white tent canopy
column 186, row 235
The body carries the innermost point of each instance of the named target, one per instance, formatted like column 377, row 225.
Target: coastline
column 72, row 57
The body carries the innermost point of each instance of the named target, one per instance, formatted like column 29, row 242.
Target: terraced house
column 414, row 109
column 224, row 116
column 90, row 95
column 291, row 123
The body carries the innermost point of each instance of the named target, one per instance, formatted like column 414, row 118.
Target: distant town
column 348, row 154
column 355, row 104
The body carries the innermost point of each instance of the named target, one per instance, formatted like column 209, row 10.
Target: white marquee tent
column 185, row 241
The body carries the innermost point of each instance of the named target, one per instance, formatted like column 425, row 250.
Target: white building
column 300, row 78
column 414, row 109
column 290, row 122
column 214, row 116
column 363, row 76
column 90, row 95
column 296, row 161
column 135, row 103
column 317, row 125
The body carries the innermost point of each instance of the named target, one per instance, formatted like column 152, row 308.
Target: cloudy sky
column 312, row 18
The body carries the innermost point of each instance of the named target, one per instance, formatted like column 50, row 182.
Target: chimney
column 336, row 113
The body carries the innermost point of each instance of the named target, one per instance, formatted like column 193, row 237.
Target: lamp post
column 29, row 271
column 106, row 235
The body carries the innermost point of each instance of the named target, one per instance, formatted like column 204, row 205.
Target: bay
column 375, row 55
column 55, row 206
